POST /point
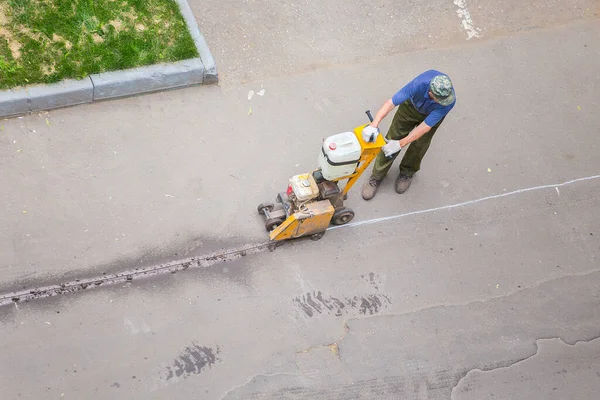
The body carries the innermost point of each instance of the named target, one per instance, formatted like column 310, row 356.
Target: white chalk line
column 465, row 203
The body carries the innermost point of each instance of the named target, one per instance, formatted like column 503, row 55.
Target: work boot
column 370, row 188
column 402, row 183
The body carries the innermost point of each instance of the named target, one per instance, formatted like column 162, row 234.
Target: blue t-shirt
column 417, row 91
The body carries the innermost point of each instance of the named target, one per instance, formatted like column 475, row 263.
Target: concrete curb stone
column 116, row 84
column 13, row 102
column 110, row 85
column 61, row 94
column 210, row 69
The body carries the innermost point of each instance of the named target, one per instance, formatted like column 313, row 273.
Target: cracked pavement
column 556, row 368
column 498, row 297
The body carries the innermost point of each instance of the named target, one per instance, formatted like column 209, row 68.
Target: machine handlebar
column 368, row 112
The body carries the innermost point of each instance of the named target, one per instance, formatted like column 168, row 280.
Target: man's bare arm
column 382, row 113
column 415, row 134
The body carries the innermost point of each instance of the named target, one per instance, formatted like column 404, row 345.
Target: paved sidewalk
column 254, row 40
column 415, row 307
column 164, row 176
column 369, row 312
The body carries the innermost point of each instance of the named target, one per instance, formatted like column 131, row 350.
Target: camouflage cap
column 441, row 87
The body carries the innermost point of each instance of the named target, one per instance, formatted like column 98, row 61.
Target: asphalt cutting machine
column 313, row 201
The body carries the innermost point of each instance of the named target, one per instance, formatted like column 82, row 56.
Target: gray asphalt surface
column 253, row 39
column 463, row 294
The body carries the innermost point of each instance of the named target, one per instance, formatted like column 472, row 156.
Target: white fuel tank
column 339, row 156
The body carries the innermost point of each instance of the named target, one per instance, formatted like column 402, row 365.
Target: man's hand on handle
column 392, row 147
column 370, row 133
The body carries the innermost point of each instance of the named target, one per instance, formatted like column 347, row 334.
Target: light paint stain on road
column 467, row 22
column 132, row 329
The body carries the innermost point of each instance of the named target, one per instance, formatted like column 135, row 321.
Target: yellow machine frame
column 369, row 151
column 315, row 218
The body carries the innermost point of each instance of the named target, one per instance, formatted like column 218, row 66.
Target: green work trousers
column 405, row 120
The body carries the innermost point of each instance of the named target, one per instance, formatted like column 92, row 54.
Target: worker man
column 422, row 106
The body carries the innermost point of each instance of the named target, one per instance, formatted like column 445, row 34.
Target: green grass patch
column 45, row 41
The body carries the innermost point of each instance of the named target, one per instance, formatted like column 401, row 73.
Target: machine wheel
column 342, row 217
column 272, row 223
column 262, row 206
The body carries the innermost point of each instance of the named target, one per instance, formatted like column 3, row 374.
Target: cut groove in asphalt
column 228, row 255
column 136, row 273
